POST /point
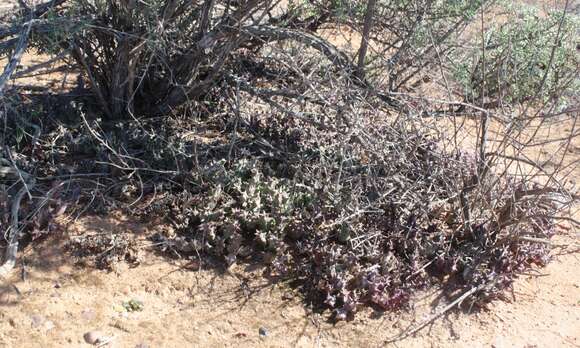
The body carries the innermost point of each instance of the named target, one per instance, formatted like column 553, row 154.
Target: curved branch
column 15, row 59
column 11, row 251
column 332, row 53
column 270, row 33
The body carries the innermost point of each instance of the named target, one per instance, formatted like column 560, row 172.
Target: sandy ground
column 51, row 302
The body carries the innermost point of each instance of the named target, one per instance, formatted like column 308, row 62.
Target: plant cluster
column 255, row 137
column 532, row 57
column 357, row 222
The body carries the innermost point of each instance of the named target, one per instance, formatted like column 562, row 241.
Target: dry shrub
column 366, row 215
column 269, row 142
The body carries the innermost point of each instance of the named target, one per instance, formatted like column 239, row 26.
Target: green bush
column 530, row 58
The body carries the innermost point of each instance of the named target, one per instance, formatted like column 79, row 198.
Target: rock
column 37, row 320
column 142, row 345
column 88, row 314
column 93, row 337
column 13, row 323
column 48, row 325
column 263, row 332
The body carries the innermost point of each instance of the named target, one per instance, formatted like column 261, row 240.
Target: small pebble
column 88, row 314
column 48, row 325
column 263, row 332
column 37, row 320
column 92, row 337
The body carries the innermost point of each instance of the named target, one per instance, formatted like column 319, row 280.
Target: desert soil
column 50, row 301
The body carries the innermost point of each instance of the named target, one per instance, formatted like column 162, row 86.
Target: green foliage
column 532, row 57
column 420, row 29
column 133, row 305
column 244, row 204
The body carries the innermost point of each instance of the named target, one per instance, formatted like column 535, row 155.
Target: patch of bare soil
column 51, row 301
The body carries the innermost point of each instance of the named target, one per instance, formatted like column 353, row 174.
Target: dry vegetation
column 247, row 130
